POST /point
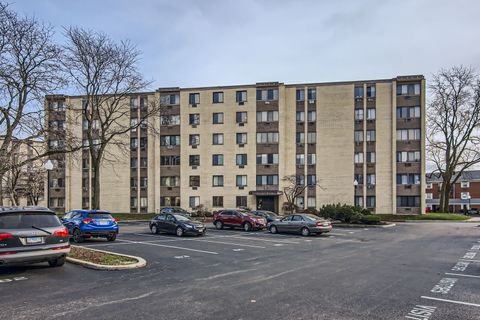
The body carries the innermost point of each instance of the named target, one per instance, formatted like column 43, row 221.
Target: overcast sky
column 207, row 42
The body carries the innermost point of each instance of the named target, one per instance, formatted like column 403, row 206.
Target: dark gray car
column 31, row 235
column 305, row 224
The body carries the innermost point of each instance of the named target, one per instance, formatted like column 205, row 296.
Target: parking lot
column 412, row 271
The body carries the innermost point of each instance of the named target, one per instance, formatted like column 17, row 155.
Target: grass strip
column 102, row 258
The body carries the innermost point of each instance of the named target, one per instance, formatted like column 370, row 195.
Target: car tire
column 154, row 229
column 273, row 229
column 77, row 236
column 57, row 262
column 305, row 232
column 112, row 237
column 247, row 226
column 218, row 225
column 179, row 231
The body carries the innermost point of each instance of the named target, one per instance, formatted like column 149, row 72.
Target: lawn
column 426, row 216
column 98, row 257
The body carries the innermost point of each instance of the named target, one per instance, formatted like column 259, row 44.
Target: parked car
column 268, row 215
column 84, row 224
column 177, row 224
column 305, row 224
column 235, row 218
column 472, row 211
column 176, row 210
column 31, row 235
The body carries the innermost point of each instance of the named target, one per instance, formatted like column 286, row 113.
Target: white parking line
column 229, row 243
column 167, row 246
column 462, row 275
column 452, row 301
column 269, row 240
column 469, row 260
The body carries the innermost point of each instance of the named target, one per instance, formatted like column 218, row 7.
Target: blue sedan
column 84, row 224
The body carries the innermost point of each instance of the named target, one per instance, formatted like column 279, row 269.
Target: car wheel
column 247, row 226
column 77, row 236
column 154, row 229
column 112, row 237
column 305, row 232
column 179, row 231
column 273, row 229
column 219, row 225
column 57, row 262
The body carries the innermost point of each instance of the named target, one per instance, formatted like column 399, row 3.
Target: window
column 56, row 144
column 408, row 134
column 218, row 97
column 312, row 94
column 358, row 114
column 311, row 179
column 194, row 202
column 241, row 201
column 428, row 195
column 371, row 157
column 217, row 159
column 143, row 142
column 143, row 162
column 371, row 179
column 408, row 89
column 311, row 116
column 311, row 202
column 194, row 160
column 300, row 137
column 143, row 182
column 170, row 181
column 217, row 181
column 217, row 138
column 217, row 201
column 267, row 116
column 358, row 158
column 465, row 195
column 300, row 95
column 194, row 98
column 133, row 103
column 241, row 96
column 300, row 116
column 267, row 137
column 241, row 117
column 194, row 118
column 358, row 136
column 133, row 162
column 408, row 112
column 267, row 94
column 370, row 135
column 311, row 137
column 299, row 202
column 168, row 120
column 241, row 138
column 263, row 180
column 358, row 178
column 143, row 202
column 300, row 180
column 371, row 114
column 144, row 102
column 194, row 181
column 169, row 160
column 267, row 158
column 133, row 182
column 241, row 159
column 370, row 91
column 371, row 201
column 170, row 201
column 169, row 99
column 408, row 201
column 194, row 139
column 241, row 181
column 133, row 202
column 359, row 201
column 408, row 178
column 359, row 92
column 465, row 184
column 300, row 159
column 133, row 143
column 311, row 158
column 429, row 185
column 169, row 140
column 408, row 156
column 217, row 118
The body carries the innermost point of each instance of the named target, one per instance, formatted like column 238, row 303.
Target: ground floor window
column 371, row 201
column 194, row 202
column 170, row 201
column 241, row 201
column 217, row 201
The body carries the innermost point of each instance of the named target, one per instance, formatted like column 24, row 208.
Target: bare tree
column 12, row 183
column 34, row 186
column 453, row 122
column 294, row 188
column 106, row 74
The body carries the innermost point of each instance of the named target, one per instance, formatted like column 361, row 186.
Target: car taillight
column 319, row 223
column 87, row 220
column 61, row 233
column 114, row 220
column 7, row 253
column 61, row 248
column 5, row 236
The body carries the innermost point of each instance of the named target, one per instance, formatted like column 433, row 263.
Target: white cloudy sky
column 214, row 42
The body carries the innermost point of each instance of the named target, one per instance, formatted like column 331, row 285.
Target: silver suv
column 31, row 235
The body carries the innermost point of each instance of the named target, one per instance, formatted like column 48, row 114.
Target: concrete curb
column 141, row 262
column 128, row 221
column 390, row 225
column 426, row 221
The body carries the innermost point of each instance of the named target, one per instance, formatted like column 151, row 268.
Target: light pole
column 355, row 184
column 48, row 166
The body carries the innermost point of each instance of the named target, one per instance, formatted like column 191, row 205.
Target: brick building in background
column 231, row 146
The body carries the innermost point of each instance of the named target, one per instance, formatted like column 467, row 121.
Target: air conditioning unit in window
column 134, row 188
column 266, row 166
column 241, row 103
column 408, row 186
column 311, row 101
column 169, row 188
column 194, row 125
column 300, row 145
column 241, row 187
column 194, row 146
column 241, row 124
column 194, row 167
column 241, row 166
column 194, row 105
column 408, row 164
column 370, row 120
column 241, row 145
column 267, row 102
column 170, row 147
column 194, row 188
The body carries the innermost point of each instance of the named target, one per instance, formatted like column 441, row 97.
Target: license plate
column 33, row 240
column 103, row 223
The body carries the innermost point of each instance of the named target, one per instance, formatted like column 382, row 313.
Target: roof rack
column 36, row 208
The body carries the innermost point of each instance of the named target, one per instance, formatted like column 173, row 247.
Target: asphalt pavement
column 412, row 271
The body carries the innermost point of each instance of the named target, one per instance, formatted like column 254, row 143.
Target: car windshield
column 25, row 220
column 100, row 216
column 179, row 217
column 311, row 217
column 269, row 213
column 180, row 210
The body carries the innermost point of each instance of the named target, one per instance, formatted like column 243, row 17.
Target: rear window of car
column 100, row 216
column 311, row 217
column 25, row 220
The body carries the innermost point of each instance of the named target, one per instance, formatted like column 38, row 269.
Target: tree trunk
column 445, row 196
column 1, row 188
column 96, row 184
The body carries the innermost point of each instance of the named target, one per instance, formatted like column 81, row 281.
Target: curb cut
column 141, row 262
column 390, row 225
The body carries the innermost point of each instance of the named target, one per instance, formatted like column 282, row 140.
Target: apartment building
column 229, row 146
column 465, row 193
